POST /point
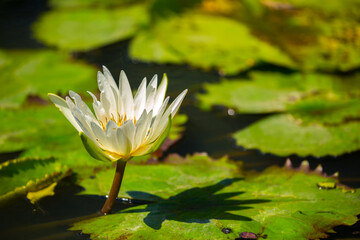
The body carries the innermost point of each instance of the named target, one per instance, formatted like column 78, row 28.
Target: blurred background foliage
column 280, row 77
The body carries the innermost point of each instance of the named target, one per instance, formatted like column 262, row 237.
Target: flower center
column 119, row 120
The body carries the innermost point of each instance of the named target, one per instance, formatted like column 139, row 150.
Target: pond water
column 205, row 132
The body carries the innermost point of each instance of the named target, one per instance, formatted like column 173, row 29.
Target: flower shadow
column 195, row 205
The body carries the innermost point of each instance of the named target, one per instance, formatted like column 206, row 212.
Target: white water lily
column 122, row 125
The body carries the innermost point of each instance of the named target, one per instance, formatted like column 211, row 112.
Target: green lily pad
column 21, row 176
column 136, row 175
column 315, row 36
column 88, row 28
column 323, row 119
column 42, row 132
column 274, row 92
column 201, row 197
column 30, row 72
column 285, row 134
column 198, row 40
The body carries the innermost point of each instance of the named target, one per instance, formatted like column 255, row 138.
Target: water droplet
column 231, row 112
column 226, row 230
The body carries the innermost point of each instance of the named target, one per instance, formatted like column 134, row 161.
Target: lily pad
column 30, row 72
column 274, row 92
column 323, row 119
column 285, row 134
column 201, row 197
column 315, row 36
column 198, row 40
column 21, row 176
column 88, row 28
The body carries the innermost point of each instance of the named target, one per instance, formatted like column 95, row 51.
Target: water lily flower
column 122, row 126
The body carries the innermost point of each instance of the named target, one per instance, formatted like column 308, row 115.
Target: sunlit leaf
column 285, row 134
column 274, row 92
column 205, row 41
column 316, row 36
column 324, row 112
column 21, row 176
column 37, row 195
column 197, row 198
column 88, row 28
column 39, row 72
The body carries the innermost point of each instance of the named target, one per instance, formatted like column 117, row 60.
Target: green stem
column 114, row 191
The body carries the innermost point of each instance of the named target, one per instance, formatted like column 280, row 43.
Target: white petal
column 160, row 95
column 99, row 134
column 109, row 78
column 152, row 84
column 142, row 127
column 158, row 118
column 108, row 95
column 110, row 131
column 140, row 99
column 151, row 93
column 81, row 105
column 143, row 150
column 98, row 109
column 126, row 95
column 81, row 120
column 174, row 107
column 128, row 129
column 64, row 108
column 123, row 146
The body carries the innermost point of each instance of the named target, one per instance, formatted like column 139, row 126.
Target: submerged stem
column 114, row 191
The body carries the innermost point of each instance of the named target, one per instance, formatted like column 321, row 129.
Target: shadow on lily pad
column 195, row 205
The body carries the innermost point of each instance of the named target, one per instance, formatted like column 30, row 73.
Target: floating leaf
column 36, row 196
column 88, row 28
column 43, row 133
column 317, row 37
column 274, row 92
column 324, row 112
column 198, row 40
column 201, row 197
column 137, row 176
column 20, row 176
column 284, row 135
column 39, row 72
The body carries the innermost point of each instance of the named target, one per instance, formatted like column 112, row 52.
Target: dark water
column 206, row 132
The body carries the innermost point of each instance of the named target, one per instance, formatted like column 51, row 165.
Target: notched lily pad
column 201, row 197
column 268, row 92
column 21, row 176
column 321, row 112
column 30, row 72
column 198, row 40
column 284, row 135
column 88, row 28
